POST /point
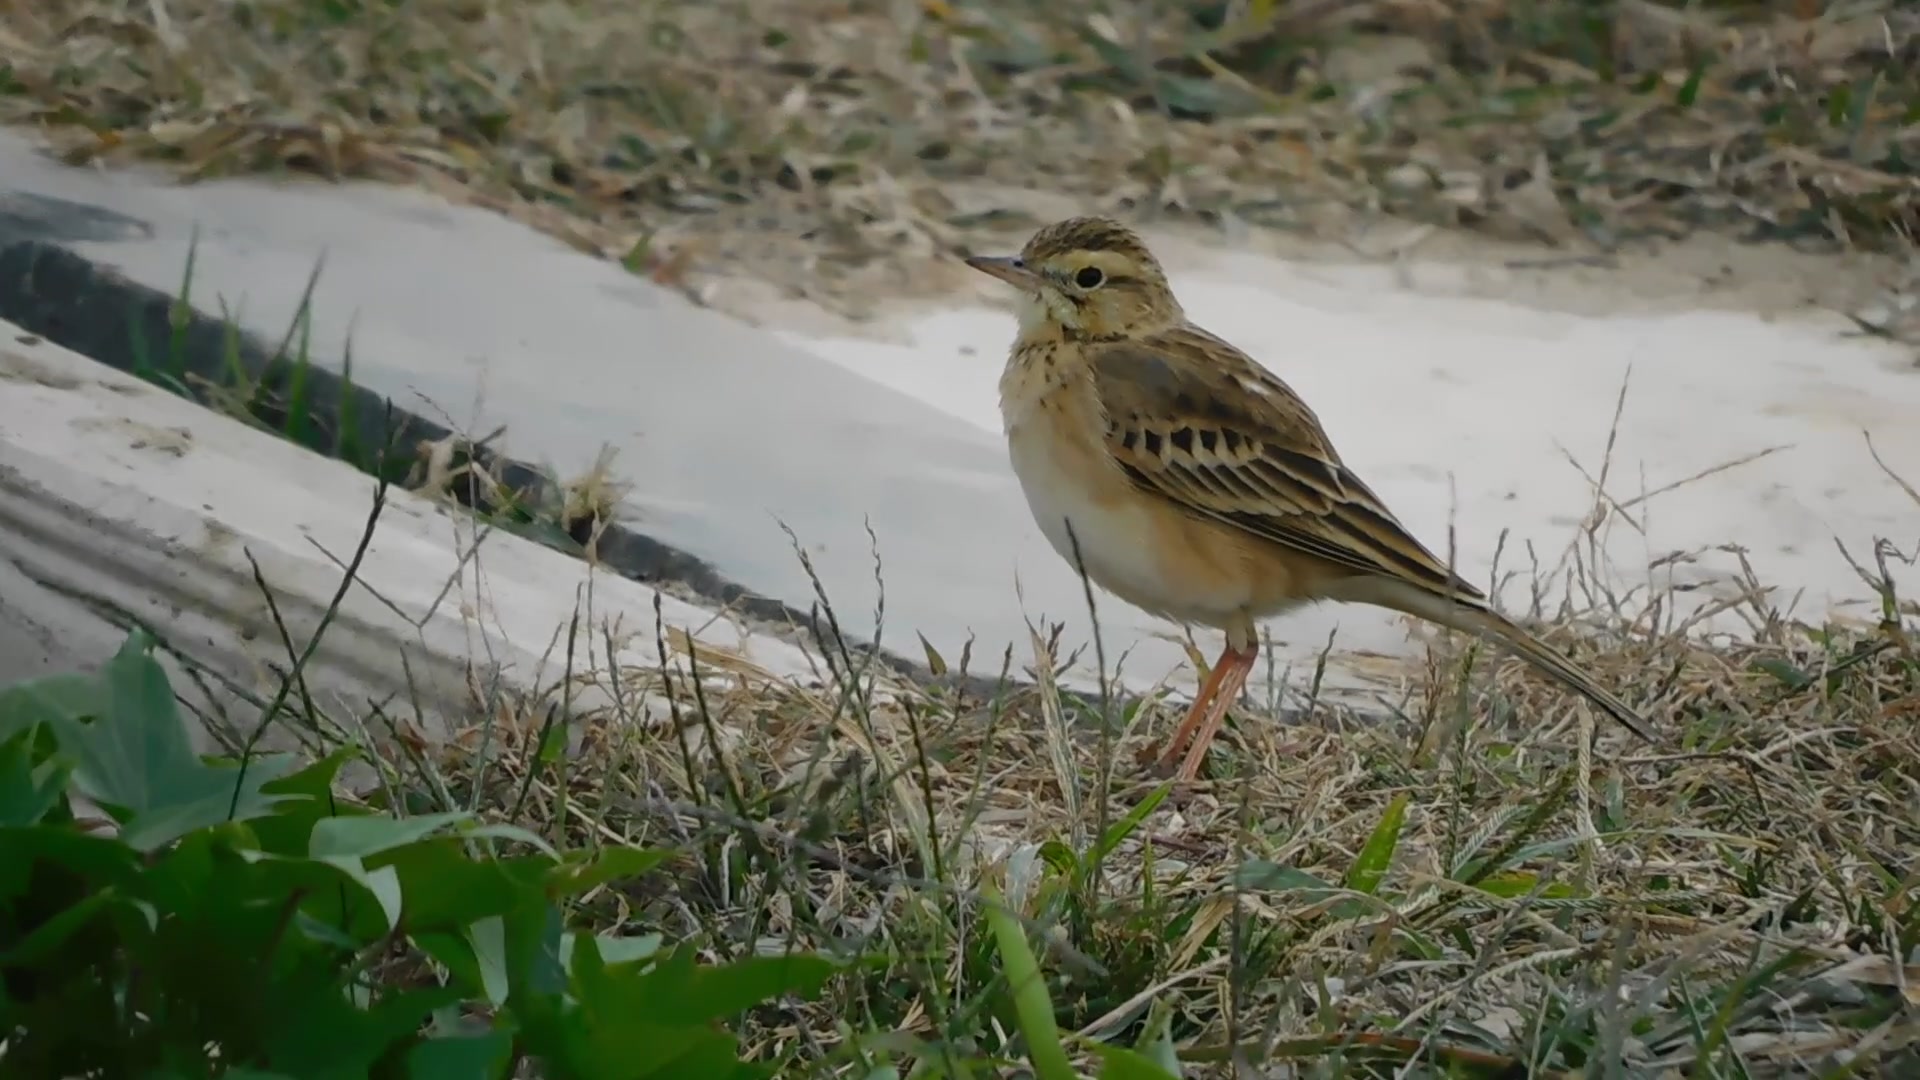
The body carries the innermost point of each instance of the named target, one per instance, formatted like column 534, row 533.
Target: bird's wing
column 1196, row 421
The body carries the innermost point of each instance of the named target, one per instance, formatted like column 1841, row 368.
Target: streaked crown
column 1087, row 234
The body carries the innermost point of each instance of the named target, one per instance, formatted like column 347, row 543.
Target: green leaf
column 481, row 1056
column 455, row 952
column 1119, row 1063
column 1689, row 91
column 27, row 792
column 534, row 968
column 324, row 1035
column 56, row 931
column 1059, row 857
column 1118, row 831
column 136, row 755
column 504, row 831
column 381, row 881
column 714, row 1056
column 658, row 1018
column 1514, row 884
column 315, row 781
column 1032, row 1007
column 216, row 805
column 613, row 949
column 309, row 797
column 488, row 939
column 370, row 835
column 102, row 860
column 381, row 885
column 726, row 990
column 608, row 1032
column 1377, row 856
column 1155, row 1043
column 1788, row 675
column 580, row 873
column 136, row 758
column 627, row 949
column 1263, row 876
column 70, row 697
column 447, row 890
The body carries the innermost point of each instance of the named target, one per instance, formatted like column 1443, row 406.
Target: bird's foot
column 1166, row 763
column 1160, row 762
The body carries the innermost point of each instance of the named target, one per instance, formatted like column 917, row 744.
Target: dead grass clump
column 1478, row 885
column 1471, row 879
column 832, row 146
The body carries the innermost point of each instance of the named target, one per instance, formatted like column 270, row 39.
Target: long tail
column 1468, row 616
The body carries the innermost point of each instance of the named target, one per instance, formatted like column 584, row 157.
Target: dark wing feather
column 1193, row 420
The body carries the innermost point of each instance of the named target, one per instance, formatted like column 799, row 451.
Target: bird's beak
column 1008, row 269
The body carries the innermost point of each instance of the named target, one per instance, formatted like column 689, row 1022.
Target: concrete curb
column 53, row 293
column 122, row 504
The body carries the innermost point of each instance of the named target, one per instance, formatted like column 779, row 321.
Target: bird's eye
column 1089, row 277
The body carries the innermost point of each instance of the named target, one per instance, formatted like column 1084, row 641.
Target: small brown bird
column 1195, row 484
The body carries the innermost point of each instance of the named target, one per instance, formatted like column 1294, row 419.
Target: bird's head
column 1086, row 278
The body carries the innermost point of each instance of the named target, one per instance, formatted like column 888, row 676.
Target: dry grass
column 1463, row 885
column 1473, row 883
column 1467, row 882
column 831, row 145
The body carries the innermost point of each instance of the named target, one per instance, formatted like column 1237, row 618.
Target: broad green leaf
column 657, row 1019
column 69, row 697
column 723, row 991
column 27, row 791
column 605, row 1030
column 512, row 832
column 712, row 1058
column 381, row 881
column 1032, row 1007
column 533, row 951
column 446, row 890
column 455, row 952
column 309, row 797
column 375, row 833
column 103, row 860
column 139, row 754
column 479, row 1056
column 1377, row 856
column 580, row 873
column 613, row 949
column 316, row 779
column 380, row 886
column 136, row 758
column 488, row 939
column 181, row 878
column 323, row 1035
column 626, row 950
column 159, row 826
column 55, row 932
column 325, row 933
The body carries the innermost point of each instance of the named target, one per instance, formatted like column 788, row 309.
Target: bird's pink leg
column 1209, row 710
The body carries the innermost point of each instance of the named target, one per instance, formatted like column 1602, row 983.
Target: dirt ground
column 1710, row 269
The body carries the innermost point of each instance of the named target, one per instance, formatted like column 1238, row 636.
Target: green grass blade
column 1374, row 859
column 1032, row 1007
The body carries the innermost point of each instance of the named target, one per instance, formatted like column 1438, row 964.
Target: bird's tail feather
column 1474, row 619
